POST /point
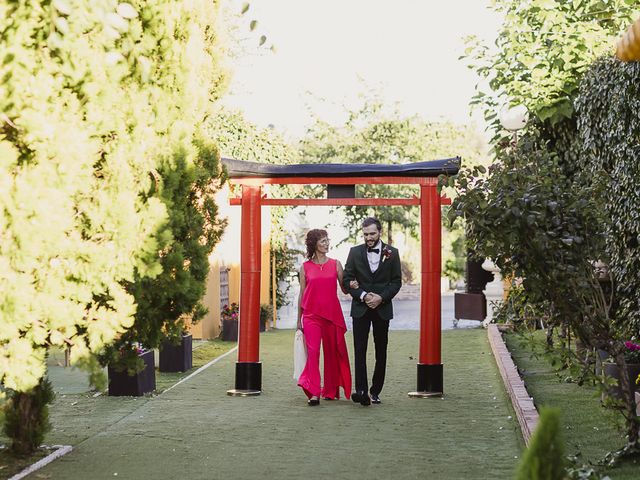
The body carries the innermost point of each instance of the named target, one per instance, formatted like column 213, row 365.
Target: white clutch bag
column 299, row 354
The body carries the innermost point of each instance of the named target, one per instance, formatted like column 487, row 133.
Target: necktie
column 374, row 250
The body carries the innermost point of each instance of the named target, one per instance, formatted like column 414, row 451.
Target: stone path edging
column 522, row 402
column 59, row 451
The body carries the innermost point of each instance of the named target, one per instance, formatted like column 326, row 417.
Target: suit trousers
column 361, row 327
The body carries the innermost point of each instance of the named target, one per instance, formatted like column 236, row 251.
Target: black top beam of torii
column 433, row 168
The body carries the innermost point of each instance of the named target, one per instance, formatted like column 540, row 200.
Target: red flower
column 229, row 311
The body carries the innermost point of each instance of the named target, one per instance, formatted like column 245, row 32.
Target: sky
column 328, row 53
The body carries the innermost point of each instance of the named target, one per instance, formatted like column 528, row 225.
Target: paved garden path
column 196, row 431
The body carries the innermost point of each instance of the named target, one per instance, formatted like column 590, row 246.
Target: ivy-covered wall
column 608, row 115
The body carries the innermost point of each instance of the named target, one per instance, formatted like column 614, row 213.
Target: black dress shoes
column 362, row 398
column 375, row 399
column 313, row 402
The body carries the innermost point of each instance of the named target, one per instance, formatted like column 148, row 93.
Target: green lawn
column 202, row 433
column 203, row 353
column 589, row 428
column 76, row 414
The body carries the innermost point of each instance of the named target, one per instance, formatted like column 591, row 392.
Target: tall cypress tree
column 169, row 301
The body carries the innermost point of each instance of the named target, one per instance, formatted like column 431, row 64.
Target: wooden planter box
column 121, row 384
column 176, row 358
column 230, row 330
column 470, row 306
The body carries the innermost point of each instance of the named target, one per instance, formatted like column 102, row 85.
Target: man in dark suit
column 376, row 268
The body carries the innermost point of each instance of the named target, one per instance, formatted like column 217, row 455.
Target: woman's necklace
column 321, row 265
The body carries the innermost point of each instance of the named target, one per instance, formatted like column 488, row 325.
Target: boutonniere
column 386, row 253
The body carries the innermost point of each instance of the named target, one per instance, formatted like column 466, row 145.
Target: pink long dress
column 323, row 322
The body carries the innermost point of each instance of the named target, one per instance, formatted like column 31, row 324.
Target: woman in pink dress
column 320, row 318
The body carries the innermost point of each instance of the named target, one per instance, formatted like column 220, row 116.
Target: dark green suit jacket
column 385, row 281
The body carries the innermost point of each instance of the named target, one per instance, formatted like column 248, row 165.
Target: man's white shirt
column 374, row 261
column 373, row 257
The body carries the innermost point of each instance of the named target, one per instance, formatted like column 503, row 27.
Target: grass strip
column 11, row 464
column 590, row 430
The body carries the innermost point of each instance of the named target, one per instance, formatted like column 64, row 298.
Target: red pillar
column 430, row 378
column 248, row 367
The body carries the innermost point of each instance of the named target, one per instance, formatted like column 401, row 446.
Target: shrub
column 27, row 417
column 544, row 458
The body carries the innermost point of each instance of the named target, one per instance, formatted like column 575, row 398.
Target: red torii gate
column 340, row 180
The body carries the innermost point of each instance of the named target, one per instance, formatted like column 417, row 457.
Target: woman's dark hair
column 313, row 236
column 372, row 221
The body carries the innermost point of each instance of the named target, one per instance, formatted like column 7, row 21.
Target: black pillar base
column 248, row 379
column 430, row 381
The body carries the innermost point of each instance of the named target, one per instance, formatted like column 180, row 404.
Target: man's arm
column 393, row 287
column 350, row 274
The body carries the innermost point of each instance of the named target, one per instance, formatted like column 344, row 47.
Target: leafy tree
column 553, row 228
column 539, row 226
column 372, row 134
column 240, row 139
column 172, row 299
column 551, row 231
column 543, row 49
column 94, row 95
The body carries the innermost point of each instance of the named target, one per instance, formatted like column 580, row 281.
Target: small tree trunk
column 550, row 335
column 389, row 233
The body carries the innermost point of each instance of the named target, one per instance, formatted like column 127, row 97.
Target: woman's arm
column 303, row 285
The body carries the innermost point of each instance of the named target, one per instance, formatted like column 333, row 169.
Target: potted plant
column 229, row 317
column 176, row 349
column 632, row 358
column 133, row 372
column 176, row 354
